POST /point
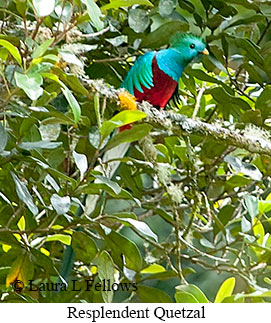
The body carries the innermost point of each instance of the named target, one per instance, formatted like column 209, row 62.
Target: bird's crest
column 180, row 35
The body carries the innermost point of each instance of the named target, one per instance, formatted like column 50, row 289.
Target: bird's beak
column 205, row 52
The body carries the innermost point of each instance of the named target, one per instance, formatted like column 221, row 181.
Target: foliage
column 180, row 210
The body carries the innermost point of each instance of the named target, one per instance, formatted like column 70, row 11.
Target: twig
column 97, row 34
column 35, row 32
column 198, row 99
column 264, row 32
column 178, row 247
column 202, row 253
column 106, row 60
column 14, row 216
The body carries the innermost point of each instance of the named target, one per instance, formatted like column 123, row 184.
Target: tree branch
column 180, row 124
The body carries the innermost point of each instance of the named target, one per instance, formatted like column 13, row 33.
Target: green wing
column 140, row 74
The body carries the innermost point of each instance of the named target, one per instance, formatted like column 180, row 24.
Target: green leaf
column 251, row 203
column 245, row 224
column 124, row 215
column 237, row 181
column 246, row 21
column 188, row 6
column 161, row 35
column 183, row 297
column 70, row 58
column 76, row 110
column 5, row 198
column 84, row 247
column 258, row 231
column 206, row 243
column 12, row 50
column 119, row 246
column 81, row 162
column 216, row 63
column 9, row 239
column 194, row 291
column 138, row 20
column 264, row 206
column 215, row 21
column 44, row 144
column 253, row 117
column 44, row 7
column 251, row 50
column 30, row 83
column 115, row 4
column 137, row 132
column 112, row 185
column 63, row 238
column 4, row 54
column 254, row 75
column 41, row 49
column 152, row 295
column 203, row 76
column 140, row 226
column 263, row 102
column 222, row 96
column 24, row 195
column 94, row 13
column 245, row 168
column 259, row 293
column 222, row 218
column 225, row 290
column 60, row 204
column 166, row 7
column 232, row 299
column 121, row 119
column 3, row 138
column 43, row 261
column 106, row 272
column 162, row 276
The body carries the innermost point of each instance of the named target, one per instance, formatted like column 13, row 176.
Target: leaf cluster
column 177, row 206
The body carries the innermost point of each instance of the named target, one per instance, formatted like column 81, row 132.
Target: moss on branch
column 180, row 124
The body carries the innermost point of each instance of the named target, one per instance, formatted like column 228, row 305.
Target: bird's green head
column 188, row 45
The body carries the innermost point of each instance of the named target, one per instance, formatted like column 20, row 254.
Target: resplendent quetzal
column 154, row 77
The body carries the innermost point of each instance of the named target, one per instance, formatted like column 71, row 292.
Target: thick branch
column 182, row 124
column 179, row 124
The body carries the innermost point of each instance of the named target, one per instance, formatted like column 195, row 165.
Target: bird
column 154, row 77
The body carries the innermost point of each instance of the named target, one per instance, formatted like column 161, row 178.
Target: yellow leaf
column 66, row 239
column 17, row 236
column 153, row 269
column 45, row 251
column 57, row 227
column 21, row 270
column 6, row 247
column 225, row 290
column 21, row 223
column 258, row 231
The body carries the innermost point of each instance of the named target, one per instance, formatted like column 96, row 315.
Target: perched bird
column 154, row 77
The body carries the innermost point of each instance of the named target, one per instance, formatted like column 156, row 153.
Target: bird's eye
column 192, row 46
